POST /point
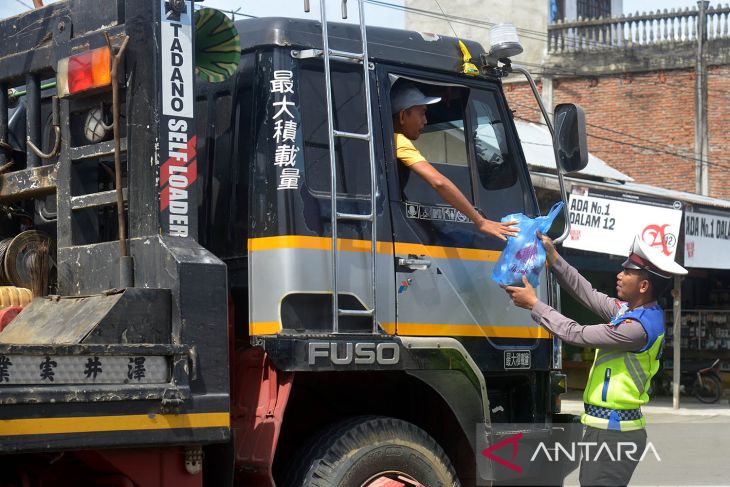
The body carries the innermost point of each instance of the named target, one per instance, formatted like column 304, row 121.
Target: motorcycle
column 697, row 380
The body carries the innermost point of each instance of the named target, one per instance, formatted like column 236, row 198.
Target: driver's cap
column 406, row 96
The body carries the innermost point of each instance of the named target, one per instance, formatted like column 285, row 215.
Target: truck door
column 443, row 264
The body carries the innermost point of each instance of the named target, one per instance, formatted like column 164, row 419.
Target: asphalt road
column 692, row 444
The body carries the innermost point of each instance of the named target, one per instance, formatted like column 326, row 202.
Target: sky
column 633, row 6
column 382, row 16
column 375, row 15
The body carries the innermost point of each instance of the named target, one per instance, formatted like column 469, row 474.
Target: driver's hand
column 498, row 229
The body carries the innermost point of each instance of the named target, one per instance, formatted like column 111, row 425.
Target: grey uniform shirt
column 630, row 336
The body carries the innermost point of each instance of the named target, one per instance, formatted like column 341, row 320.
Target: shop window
column 593, row 9
column 348, row 98
column 557, row 10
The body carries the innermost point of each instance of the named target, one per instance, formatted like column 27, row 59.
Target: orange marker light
column 101, row 66
column 84, row 71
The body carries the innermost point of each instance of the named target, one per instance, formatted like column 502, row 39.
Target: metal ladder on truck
column 362, row 58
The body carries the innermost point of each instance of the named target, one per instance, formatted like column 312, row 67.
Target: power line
column 528, row 33
column 600, row 127
column 231, row 13
column 655, row 149
column 25, row 4
column 544, row 36
column 725, row 168
column 551, row 71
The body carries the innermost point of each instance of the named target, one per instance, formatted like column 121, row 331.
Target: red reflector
column 80, row 76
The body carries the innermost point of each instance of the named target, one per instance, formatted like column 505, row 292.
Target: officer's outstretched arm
column 578, row 286
column 629, row 336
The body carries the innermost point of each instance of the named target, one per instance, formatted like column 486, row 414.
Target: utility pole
column 701, row 138
column 677, row 336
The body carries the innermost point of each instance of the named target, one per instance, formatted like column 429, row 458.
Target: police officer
column 628, row 349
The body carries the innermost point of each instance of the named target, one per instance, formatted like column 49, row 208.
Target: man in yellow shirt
column 409, row 117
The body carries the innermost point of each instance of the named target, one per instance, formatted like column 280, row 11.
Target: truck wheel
column 373, row 452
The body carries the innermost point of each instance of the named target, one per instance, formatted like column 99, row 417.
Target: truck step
column 335, row 55
column 364, row 313
column 351, row 135
column 96, row 200
column 365, row 217
column 97, row 150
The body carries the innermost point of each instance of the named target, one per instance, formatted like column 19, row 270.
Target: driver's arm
column 408, row 155
column 446, row 189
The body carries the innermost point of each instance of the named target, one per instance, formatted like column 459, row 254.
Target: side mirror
column 570, row 137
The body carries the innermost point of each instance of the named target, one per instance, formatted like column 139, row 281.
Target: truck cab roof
column 394, row 46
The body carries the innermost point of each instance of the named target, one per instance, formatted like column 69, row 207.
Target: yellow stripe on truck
column 351, row 245
column 431, row 329
column 449, row 329
column 100, row 424
column 264, row 328
column 447, row 252
column 315, row 243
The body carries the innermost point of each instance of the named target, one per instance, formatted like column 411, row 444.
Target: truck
column 234, row 281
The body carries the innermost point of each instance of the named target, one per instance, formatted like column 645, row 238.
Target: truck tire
column 371, row 451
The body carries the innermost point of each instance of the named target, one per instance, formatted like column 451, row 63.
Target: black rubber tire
column 356, row 451
column 711, row 392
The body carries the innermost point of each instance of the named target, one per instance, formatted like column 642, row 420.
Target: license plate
column 517, row 359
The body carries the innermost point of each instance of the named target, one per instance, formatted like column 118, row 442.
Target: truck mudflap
column 529, row 454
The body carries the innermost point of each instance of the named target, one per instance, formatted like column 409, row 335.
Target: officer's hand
column 498, row 229
column 524, row 297
column 552, row 254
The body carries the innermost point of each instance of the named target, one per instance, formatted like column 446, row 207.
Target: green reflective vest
column 619, row 381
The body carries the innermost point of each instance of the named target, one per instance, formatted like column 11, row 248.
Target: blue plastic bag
column 524, row 254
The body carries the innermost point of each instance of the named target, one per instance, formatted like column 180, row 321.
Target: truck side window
column 348, row 98
column 494, row 161
column 443, row 144
column 499, row 190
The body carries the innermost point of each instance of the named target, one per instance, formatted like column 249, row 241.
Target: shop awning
column 538, row 148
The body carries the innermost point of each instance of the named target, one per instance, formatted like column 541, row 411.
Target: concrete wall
column 531, row 15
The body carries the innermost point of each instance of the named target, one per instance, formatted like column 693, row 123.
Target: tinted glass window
column 494, row 161
column 500, row 189
column 348, row 97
